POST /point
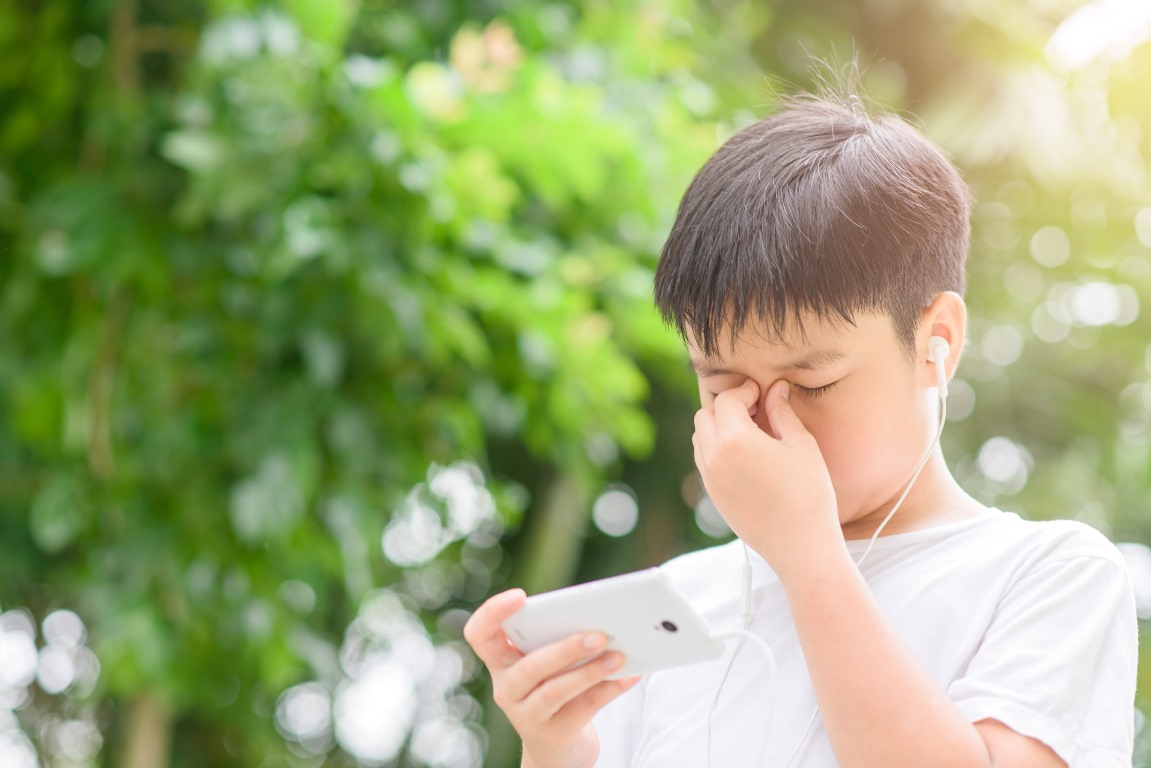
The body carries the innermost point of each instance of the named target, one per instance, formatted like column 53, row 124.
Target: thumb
column 780, row 415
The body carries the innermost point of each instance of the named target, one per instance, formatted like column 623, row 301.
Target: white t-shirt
column 1029, row 623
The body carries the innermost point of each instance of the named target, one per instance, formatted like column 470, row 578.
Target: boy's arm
column 879, row 706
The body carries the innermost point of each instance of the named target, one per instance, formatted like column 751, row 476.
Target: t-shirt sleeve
column 619, row 726
column 1058, row 662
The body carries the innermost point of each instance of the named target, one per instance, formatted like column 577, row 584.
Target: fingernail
column 594, row 642
column 615, row 661
column 785, row 390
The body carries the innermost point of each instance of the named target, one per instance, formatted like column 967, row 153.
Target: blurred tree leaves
column 267, row 269
column 265, row 265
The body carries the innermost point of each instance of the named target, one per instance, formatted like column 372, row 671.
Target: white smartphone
column 642, row 613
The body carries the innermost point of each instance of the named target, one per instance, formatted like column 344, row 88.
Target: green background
column 321, row 320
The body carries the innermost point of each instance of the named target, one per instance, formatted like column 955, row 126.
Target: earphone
column 938, row 350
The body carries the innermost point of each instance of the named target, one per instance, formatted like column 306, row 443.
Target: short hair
column 822, row 209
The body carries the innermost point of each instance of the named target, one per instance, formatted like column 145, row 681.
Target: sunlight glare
column 1107, row 27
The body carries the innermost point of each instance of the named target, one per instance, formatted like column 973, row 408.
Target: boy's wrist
column 812, row 568
column 802, row 552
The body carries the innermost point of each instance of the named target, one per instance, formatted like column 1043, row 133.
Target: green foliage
column 270, row 271
column 259, row 276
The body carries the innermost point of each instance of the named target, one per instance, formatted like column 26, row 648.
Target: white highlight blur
column 63, row 666
column 615, row 512
column 1005, row 465
column 17, row 654
column 709, row 520
column 451, row 505
column 63, row 629
column 1111, row 28
column 374, row 711
column 395, row 687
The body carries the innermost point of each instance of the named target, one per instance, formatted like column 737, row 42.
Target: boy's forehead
column 799, row 360
column 814, row 343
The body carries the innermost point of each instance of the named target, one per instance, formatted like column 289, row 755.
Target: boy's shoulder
column 992, row 537
column 1046, row 541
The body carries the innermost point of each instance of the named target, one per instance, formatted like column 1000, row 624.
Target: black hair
column 819, row 208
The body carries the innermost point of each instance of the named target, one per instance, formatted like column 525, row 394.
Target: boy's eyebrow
column 809, row 361
column 705, row 369
column 817, row 359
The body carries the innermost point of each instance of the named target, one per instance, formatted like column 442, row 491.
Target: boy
column 811, row 261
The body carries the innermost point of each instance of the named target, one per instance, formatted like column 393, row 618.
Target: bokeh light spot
column 1048, row 324
column 615, row 512
column 1050, row 246
column 56, row 670
column 16, row 751
column 709, row 520
column 1024, row 281
column 1001, row 345
column 446, row 743
column 1095, row 303
column 1143, row 226
column 453, row 504
column 17, row 658
column 79, row 741
column 1106, row 27
column 960, row 400
column 63, row 629
column 304, row 714
column 1005, row 464
column 374, row 712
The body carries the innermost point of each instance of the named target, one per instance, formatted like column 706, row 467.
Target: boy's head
column 817, row 211
column 824, row 247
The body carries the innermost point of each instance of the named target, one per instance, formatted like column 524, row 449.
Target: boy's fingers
column 554, row 695
column 705, row 420
column 704, row 429
column 733, row 407
column 579, row 711
column 539, row 665
column 486, row 637
column 780, row 415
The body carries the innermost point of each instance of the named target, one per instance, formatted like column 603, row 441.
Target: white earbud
column 937, row 351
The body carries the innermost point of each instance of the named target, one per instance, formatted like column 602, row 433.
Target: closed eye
column 814, row 392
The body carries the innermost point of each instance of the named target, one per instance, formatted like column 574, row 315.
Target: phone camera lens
column 669, row 626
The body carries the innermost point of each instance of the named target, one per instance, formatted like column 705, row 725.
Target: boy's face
column 854, row 388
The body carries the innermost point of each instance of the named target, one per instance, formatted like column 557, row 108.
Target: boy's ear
column 946, row 317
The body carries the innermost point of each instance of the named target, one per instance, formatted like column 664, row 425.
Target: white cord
column 803, row 738
column 745, row 618
column 911, row 482
column 743, row 634
column 926, row 457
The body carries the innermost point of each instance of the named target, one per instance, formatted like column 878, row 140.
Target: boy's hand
column 549, row 708
column 774, row 492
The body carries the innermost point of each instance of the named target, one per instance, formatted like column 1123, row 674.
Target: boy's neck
column 935, row 499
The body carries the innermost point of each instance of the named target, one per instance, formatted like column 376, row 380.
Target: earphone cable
column 910, row 483
column 926, row 457
column 742, row 633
